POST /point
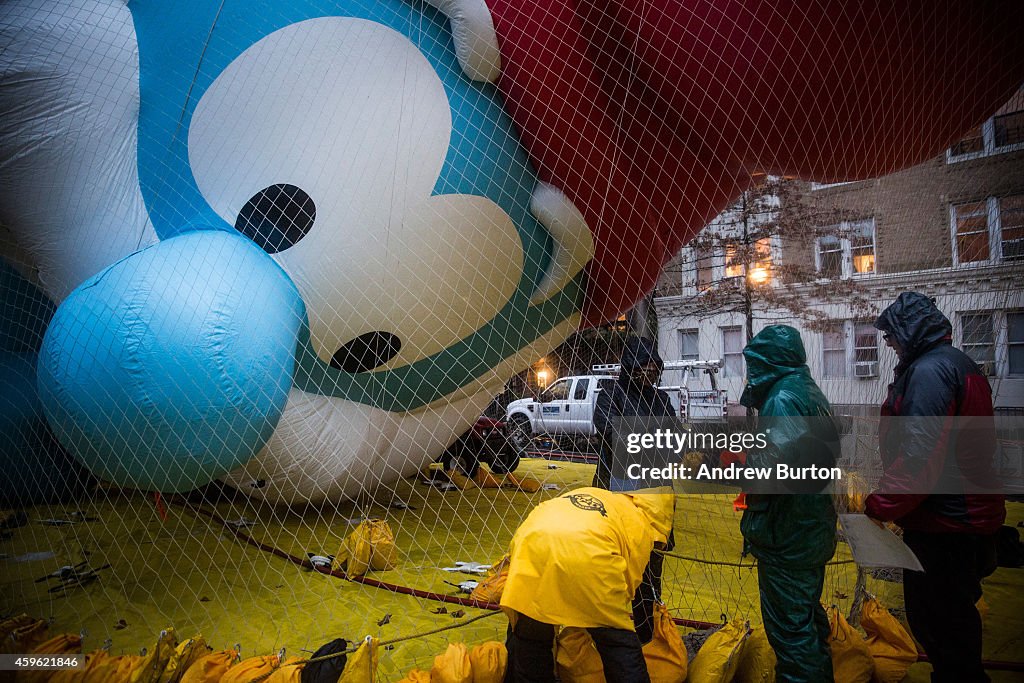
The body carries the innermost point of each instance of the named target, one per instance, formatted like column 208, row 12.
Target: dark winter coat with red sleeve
column 937, row 454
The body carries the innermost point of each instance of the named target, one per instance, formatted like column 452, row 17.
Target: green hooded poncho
column 796, row 530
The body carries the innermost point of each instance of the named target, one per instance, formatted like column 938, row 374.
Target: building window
column 833, row 344
column 729, row 260
column 1011, row 227
column 1015, row 343
column 978, row 339
column 862, row 247
column 703, row 261
column 733, row 260
column 732, row 351
column 865, row 349
column 850, row 349
column 994, row 340
column 688, row 345
column 848, row 251
column 830, row 257
column 970, row 223
column 761, row 266
column 760, row 260
column 1008, row 129
column 1004, row 132
column 988, row 231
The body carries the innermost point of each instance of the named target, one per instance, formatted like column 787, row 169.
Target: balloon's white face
column 377, row 251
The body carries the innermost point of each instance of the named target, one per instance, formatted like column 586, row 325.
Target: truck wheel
column 468, row 461
column 463, row 455
column 505, row 461
column 469, row 465
column 505, row 457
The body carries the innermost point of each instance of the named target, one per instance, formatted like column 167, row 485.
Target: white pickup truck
column 566, row 407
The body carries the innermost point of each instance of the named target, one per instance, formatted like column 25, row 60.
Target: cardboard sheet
column 875, row 546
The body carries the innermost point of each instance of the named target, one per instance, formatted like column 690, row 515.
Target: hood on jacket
column 659, row 505
column 916, row 323
column 638, row 352
column 776, row 351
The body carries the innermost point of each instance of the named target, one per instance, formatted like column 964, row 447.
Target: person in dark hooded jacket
column 792, row 535
column 946, row 431
column 634, row 395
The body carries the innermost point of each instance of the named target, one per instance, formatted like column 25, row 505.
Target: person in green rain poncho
column 792, row 535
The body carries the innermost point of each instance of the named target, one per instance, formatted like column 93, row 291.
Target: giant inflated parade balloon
column 299, row 245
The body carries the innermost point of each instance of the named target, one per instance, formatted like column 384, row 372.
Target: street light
column 759, row 275
column 542, row 378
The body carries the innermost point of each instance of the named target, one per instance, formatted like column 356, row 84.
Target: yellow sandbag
column 152, row 665
column 248, row 670
column 26, row 637
column 63, row 644
column 852, row 494
column 289, row 671
column 370, row 546
column 577, row 658
column 93, row 660
column 460, row 480
column 851, row 661
column 148, row 668
column 757, row 659
column 21, row 634
column 113, row 669
column 490, row 589
column 416, row 676
column 889, row 644
column 185, row 655
column 384, row 553
column 527, row 484
column 453, row 666
column 489, row 661
column 361, row 666
column 485, row 480
column 665, row 654
column 719, row 656
column 210, row 668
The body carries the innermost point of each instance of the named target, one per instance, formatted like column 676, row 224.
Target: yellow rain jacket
column 577, row 559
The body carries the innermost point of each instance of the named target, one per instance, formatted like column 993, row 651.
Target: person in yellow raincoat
column 577, row 560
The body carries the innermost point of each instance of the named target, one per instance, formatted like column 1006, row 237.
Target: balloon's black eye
column 367, row 351
column 277, row 217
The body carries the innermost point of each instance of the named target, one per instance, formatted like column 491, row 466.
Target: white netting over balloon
column 266, row 264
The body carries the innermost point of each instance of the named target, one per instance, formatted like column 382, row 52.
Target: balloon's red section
column 653, row 116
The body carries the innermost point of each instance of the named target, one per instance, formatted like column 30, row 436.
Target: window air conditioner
column 865, row 369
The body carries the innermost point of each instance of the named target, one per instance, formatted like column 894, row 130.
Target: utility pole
column 748, row 303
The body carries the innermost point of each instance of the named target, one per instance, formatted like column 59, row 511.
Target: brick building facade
column 952, row 227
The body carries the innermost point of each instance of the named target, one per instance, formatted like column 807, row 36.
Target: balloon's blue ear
column 172, row 366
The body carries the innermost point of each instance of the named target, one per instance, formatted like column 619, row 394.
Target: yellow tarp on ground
column 191, row 573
